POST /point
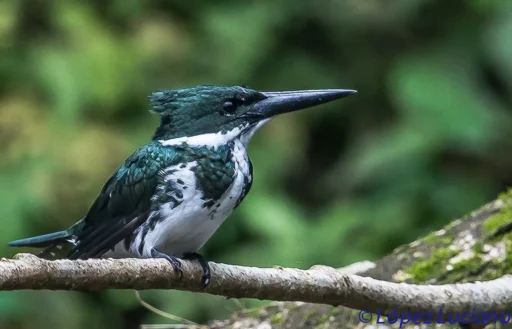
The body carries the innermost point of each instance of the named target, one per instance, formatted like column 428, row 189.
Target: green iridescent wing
column 124, row 202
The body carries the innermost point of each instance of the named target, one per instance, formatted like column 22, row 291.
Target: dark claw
column 204, row 265
column 175, row 262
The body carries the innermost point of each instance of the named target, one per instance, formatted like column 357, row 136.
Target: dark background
column 426, row 139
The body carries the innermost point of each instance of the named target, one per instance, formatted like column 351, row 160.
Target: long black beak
column 288, row 101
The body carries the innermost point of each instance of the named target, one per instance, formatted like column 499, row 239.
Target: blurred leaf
column 441, row 99
column 498, row 43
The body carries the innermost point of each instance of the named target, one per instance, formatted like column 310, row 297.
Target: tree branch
column 320, row 284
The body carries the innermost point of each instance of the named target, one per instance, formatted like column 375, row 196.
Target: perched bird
column 169, row 197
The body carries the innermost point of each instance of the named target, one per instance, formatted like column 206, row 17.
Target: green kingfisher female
column 170, row 196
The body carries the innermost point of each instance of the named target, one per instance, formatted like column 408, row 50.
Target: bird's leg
column 175, row 262
column 204, row 265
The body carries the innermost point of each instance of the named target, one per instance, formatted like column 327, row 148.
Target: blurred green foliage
column 427, row 138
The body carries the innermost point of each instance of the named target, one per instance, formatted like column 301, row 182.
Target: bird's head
column 223, row 113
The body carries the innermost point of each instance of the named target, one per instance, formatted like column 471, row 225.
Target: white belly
column 187, row 227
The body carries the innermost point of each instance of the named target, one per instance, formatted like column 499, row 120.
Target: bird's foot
column 204, row 265
column 175, row 262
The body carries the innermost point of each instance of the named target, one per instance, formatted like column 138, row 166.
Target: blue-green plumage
column 170, row 196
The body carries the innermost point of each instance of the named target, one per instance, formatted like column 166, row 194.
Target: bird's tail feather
column 53, row 250
column 42, row 241
column 52, row 242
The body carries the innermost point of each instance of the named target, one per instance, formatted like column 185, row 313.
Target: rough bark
column 476, row 247
column 320, row 284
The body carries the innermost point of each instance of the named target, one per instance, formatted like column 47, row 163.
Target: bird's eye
column 229, row 107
